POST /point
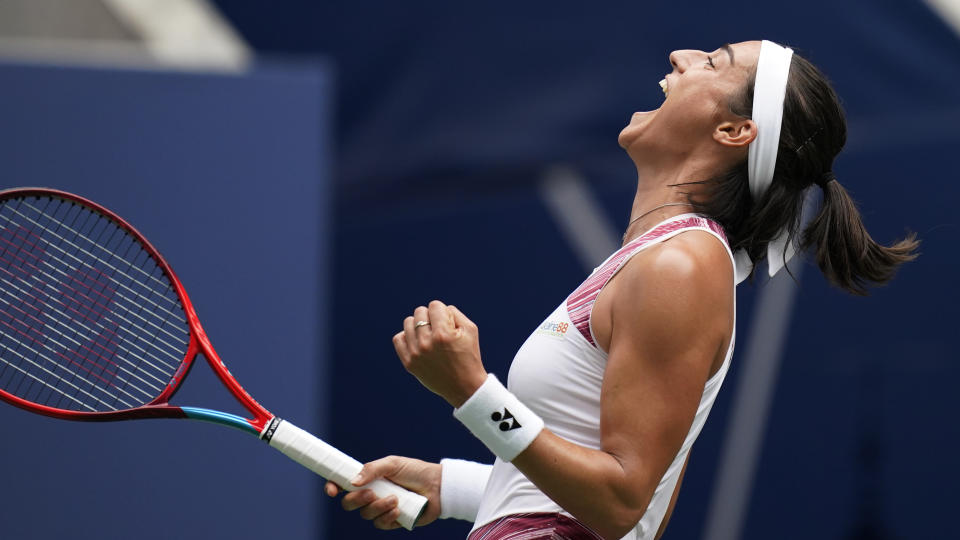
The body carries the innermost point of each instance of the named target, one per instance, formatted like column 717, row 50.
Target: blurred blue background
column 357, row 159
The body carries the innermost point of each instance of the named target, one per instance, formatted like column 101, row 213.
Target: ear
column 736, row 133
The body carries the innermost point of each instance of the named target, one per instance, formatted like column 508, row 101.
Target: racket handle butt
column 339, row 468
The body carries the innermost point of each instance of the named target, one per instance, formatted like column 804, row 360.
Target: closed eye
column 710, row 63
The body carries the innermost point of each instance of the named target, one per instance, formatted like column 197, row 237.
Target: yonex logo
column 271, row 429
column 508, row 421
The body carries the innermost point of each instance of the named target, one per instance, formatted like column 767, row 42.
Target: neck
column 660, row 195
column 666, row 179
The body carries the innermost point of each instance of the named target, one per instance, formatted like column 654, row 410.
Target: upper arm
column 671, row 318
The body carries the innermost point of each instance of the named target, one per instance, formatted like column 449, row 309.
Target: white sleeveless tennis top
column 558, row 373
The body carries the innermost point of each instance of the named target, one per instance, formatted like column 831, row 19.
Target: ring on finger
column 421, row 323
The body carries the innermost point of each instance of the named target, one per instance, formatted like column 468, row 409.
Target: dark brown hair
column 813, row 132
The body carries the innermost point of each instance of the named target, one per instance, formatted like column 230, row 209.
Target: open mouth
column 663, row 86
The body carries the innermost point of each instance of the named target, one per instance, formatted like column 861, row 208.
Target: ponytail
column 845, row 252
column 812, row 134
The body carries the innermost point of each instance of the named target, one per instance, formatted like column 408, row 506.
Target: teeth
column 663, row 86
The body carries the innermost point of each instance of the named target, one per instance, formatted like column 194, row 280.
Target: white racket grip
column 340, row 468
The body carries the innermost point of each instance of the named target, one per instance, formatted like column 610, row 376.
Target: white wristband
column 461, row 488
column 499, row 420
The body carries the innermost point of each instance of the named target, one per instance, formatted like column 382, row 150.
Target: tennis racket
column 95, row 326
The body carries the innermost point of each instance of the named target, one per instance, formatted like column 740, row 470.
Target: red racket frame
column 159, row 407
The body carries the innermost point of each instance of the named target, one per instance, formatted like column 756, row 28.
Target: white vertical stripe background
column 578, row 215
column 948, row 10
column 753, row 396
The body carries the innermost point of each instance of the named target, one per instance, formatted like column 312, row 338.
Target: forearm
column 592, row 485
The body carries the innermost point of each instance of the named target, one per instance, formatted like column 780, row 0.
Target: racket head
column 94, row 324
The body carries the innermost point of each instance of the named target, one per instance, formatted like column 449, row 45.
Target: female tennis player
column 606, row 397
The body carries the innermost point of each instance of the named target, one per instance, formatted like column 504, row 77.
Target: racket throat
column 222, row 418
column 270, row 429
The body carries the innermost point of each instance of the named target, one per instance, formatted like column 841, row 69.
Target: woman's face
column 698, row 91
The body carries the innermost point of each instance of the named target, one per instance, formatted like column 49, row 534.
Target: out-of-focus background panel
column 472, row 157
column 225, row 169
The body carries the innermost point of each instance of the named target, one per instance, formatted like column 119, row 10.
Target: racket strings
column 91, row 299
column 33, row 344
column 94, row 304
column 159, row 308
column 88, row 319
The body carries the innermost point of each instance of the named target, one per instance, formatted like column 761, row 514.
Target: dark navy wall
column 860, row 434
column 227, row 176
column 446, row 119
column 863, row 428
column 450, row 114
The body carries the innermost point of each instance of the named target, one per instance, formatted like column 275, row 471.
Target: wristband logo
column 508, row 421
column 554, row 329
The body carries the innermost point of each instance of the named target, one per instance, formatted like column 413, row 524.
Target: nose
column 681, row 60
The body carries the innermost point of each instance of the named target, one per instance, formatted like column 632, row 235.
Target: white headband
column 773, row 68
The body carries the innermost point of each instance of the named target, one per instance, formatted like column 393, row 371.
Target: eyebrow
column 729, row 49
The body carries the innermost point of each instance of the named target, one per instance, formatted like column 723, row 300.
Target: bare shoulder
column 680, row 287
column 685, row 280
column 692, row 265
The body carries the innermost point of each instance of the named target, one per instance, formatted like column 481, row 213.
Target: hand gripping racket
column 95, row 326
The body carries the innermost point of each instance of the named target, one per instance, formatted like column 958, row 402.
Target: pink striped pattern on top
column 535, row 526
column 580, row 302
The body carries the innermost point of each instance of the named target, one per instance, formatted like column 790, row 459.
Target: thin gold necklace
column 648, row 212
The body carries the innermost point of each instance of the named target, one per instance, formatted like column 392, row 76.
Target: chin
column 634, row 129
column 629, row 134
